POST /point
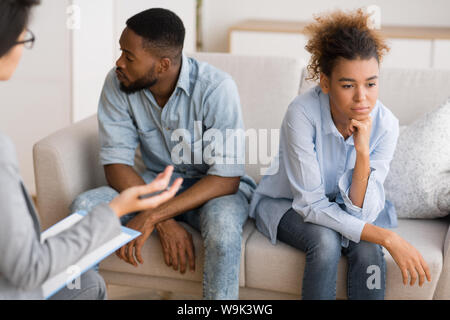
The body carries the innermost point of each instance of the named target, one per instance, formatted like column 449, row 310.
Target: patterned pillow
column 418, row 183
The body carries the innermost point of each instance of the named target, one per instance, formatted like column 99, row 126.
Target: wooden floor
column 132, row 293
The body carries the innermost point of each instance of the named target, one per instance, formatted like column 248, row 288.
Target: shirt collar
column 328, row 125
column 183, row 79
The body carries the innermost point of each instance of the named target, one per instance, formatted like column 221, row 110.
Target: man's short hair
column 162, row 31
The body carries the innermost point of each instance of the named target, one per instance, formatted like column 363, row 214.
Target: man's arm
column 207, row 188
column 122, row 176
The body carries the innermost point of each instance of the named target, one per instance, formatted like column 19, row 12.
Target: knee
column 89, row 199
column 229, row 212
column 325, row 247
column 93, row 286
column 366, row 253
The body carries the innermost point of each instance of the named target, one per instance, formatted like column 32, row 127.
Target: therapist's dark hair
column 341, row 35
column 14, row 15
column 162, row 31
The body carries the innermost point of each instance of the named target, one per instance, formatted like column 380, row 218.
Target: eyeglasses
column 29, row 40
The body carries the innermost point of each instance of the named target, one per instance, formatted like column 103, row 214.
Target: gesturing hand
column 361, row 130
column 129, row 201
column 177, row 244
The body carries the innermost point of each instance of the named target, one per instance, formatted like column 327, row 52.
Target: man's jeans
column 220, row 222
column 366, row 266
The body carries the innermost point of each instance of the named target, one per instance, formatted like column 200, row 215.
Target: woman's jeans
column 366, row 265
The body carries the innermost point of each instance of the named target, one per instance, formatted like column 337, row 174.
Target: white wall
column 92, row 54
column 36, row 101
column 219, row 15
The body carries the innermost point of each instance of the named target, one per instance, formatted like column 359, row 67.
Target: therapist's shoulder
column 7, row 150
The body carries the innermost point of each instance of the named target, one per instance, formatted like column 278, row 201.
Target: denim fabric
column 312, row 172
column 91, row 287
column 366, row 274
column 220, row 222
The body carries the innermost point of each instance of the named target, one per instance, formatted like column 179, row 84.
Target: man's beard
column 142, row 83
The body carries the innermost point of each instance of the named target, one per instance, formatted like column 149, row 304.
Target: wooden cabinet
column 411, row 47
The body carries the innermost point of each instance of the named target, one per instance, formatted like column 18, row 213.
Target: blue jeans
column 366, row 265
column 220, row 222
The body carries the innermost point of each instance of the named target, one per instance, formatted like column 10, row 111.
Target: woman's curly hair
column 341, row 35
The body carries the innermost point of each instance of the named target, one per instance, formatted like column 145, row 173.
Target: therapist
column 25, row 262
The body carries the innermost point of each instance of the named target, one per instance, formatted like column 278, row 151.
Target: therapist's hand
column 128, row 200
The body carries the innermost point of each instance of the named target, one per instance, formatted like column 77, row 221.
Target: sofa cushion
column 418, row 183
column 266, row 87
column 280, row 267
column 154, row 264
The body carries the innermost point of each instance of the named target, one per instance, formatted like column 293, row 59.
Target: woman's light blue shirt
column 312, row 172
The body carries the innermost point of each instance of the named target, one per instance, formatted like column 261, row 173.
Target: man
column 155, row 98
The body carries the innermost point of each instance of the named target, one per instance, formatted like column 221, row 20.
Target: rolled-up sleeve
column 117, row 132
column 224, row 136
column 374, row 198
column 306, row 183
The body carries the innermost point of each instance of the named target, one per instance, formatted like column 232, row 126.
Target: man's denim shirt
column 189, row 132
column 314, row 168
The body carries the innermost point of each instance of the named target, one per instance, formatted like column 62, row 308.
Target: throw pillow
column 418, row 183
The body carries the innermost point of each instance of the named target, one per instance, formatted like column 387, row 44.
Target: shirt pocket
column 154, row 149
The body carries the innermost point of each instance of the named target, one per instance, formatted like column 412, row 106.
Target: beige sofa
column 66, row 164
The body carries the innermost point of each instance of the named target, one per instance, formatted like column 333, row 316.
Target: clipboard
column 57, row 282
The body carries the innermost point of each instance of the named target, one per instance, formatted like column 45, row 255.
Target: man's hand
column 177, row 244
column 132, row 250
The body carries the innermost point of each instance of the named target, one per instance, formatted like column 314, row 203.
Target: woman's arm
column 407, row 257
column 361, row 188
column 361, row 136
column 360, row 179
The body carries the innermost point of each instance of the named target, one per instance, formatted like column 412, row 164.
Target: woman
column 336, row 143
column 25, row 263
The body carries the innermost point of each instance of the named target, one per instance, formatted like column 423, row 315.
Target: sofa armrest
column 443, row 287
column 66, row 163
